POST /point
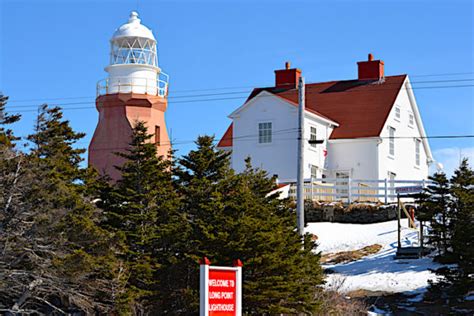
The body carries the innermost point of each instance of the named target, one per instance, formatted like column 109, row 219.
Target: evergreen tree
column 11, row 164
column 436, row 207
column 233, row 218
column 200, row 178
column 457, row 280
column 460, row 279
column 7, row 137
column 463, row 222
column 62, row 260
column 142, row 209
column 281, row 274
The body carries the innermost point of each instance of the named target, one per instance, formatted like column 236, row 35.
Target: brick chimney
column 371, row 69
column 287, row 78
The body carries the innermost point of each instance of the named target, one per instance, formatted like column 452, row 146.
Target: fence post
column 386, row 191
column 349, row 191
column 312, row 189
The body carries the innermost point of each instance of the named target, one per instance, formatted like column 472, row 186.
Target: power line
column 229, row 98
column 292, row 131
column 444, row 74
column 243, row 87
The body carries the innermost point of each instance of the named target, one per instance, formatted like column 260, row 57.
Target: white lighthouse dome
column 133, row 28
column 133, row 66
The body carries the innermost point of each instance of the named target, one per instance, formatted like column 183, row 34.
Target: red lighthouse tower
column 135, row 90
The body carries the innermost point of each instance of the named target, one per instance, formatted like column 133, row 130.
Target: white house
column 371, row 128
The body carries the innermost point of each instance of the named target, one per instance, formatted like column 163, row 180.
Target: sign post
column 220, row 289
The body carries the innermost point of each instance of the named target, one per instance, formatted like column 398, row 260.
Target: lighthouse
column 135, row 90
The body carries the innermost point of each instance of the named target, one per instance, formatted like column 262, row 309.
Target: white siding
column 403, row 163
column 358, row 156
column 280, row 156
column 362, row 158
column 277, row 157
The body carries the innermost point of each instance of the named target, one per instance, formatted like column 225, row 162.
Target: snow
column 469, row 297
column 377, row 272
column 375, row 311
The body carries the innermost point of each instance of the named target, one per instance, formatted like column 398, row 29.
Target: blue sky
column 55, row 52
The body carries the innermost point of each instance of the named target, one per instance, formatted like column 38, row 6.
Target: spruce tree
column 233, row 218
column 455, row 281
column 281, row 275
column 11, row 164
column 436, row 207
column 462, row 236
column 61, row 258
column 200, row 177
column 142, row 208
column 7, row 138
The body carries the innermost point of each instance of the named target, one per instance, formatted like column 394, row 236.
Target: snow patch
column 377, row 272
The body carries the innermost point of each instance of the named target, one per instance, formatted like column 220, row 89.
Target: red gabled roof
column 360, row 107
column 226, row 140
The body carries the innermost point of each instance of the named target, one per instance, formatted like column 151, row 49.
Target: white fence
column 350, row 190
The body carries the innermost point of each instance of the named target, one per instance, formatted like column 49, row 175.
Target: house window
column 314, row 171
column 391, row 139
column 411, row 120
column 397, row 113
column 265, row 133
column 312, row 135
column 417, row 151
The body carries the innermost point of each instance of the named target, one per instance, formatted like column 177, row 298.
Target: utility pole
column 300, row 170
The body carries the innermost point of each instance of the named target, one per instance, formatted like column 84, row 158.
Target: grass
column 349, row 256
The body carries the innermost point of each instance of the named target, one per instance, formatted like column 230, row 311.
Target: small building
column 370, row 128
column 136, row 90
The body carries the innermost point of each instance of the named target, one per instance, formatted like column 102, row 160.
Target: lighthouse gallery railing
column 158, row 86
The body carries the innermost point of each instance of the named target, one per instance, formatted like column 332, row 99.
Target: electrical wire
column 229, row 98
column 242, row 87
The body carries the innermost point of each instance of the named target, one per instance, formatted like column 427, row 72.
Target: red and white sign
column 221, row 289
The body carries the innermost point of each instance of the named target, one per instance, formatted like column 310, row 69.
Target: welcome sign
column 220, row 289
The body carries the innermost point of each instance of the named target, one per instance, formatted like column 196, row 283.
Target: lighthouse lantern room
column 136, row 90
column 133, row 62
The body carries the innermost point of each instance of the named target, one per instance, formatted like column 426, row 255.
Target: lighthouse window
column 157, row 135
column 133, row 51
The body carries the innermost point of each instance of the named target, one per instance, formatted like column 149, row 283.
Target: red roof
column 226, row 140
column 360, row 107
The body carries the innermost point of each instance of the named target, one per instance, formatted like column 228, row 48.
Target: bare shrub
column 335, row 303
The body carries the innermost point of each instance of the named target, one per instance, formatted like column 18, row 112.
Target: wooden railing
column 350, row 190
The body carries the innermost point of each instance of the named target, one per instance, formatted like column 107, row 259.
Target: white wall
column 403, row 162
column 358, row 156
column 315, row 155
column 363, row 158
column 280, row 156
